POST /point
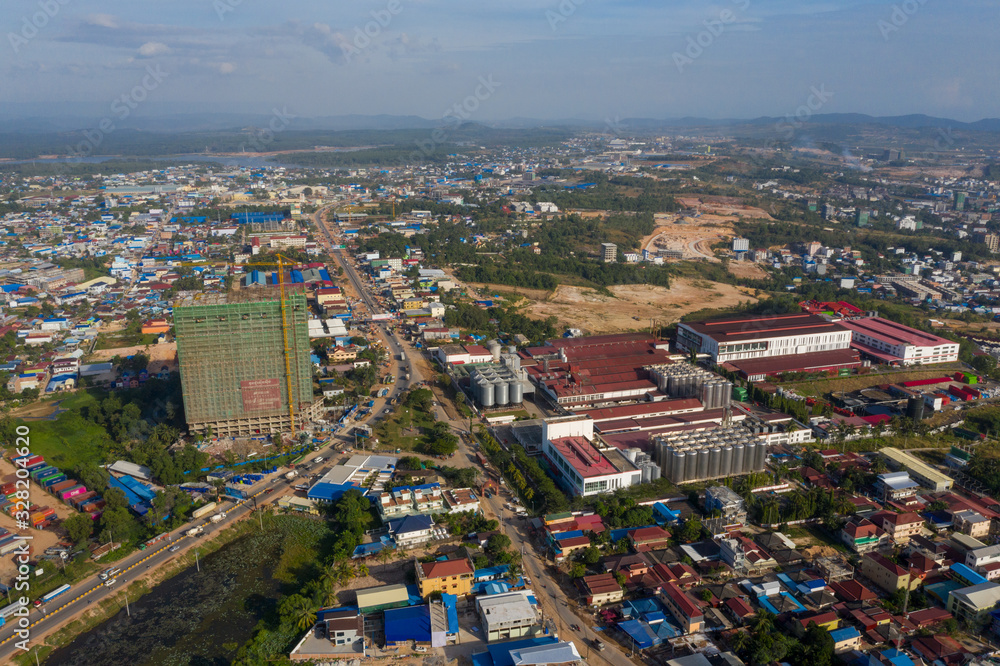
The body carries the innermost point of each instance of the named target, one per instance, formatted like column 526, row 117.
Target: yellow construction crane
column 281, row 263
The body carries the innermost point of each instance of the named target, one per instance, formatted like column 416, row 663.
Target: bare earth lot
column 634, row 305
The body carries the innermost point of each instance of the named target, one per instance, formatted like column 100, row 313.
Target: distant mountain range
column 178, row 123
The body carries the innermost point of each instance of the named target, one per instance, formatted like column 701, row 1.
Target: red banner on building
column 261, row 395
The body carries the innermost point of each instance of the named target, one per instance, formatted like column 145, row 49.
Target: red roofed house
column 649, row 538
column 852, row 590
column 900, row 526
column 682, row 575
column 928, row 617
column 887, row 574
column 451, row 576
column 937, row 648
column 863, row 536
column 601, row 589
column 682, row 607
column 739, row 609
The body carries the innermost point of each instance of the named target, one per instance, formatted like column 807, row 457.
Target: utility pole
column 127, row 610
column 197, row 564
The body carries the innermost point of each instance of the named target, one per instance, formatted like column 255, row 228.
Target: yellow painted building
column 451, row 576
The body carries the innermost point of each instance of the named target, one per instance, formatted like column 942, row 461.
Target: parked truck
column 402, row 356
column 204, row 510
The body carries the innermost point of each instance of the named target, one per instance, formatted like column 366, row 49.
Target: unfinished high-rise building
column 234, row 374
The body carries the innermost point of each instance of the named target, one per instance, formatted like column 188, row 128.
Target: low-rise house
column 885, row 573
column 649, row 538
column 507, row 616
column 728, row 502
column 973, row 604
column 744, row 556
column 460, row 500
column 687, row 613
column 971, row 523
column 899, row 526
column 409, row 501
column 895, row 486
column 451, row 577
column 845, row 639
column 411, row 531
column 863, row 536
column 600, row 589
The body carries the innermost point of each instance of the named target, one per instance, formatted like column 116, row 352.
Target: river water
column 195, row 618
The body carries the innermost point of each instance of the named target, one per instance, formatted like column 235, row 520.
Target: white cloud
column 153, row 49
column 103, row 20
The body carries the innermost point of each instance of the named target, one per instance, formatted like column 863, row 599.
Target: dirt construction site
column 633, row 306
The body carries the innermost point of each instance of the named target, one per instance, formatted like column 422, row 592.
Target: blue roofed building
column 845, row 639
column 426, row 624
column 499, row 654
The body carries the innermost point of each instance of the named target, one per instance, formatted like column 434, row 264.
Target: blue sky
column 591, row 59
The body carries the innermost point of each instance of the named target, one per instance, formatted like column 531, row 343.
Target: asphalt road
column 554, row 601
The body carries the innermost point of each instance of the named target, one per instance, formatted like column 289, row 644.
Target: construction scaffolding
column 244, row 362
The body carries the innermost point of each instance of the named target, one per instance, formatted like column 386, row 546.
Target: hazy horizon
column 574, row 59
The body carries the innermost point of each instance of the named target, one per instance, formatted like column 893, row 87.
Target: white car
column 109, row 583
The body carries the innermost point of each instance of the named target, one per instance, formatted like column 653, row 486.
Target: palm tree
column 304, row 613
column 361, row 570
column 763, row 623
column 384, row 556
column 740, row 641
column 344, row 572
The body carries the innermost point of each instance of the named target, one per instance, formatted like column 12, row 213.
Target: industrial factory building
column 230, row 349
column 585, row 466
column 745, row 336
column 894, row 344
column 685, row 457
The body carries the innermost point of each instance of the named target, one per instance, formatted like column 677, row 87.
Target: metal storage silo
column 495, row 349
column 501, row 393
column 645, row 473
column 516, row 392
column 715, row 463
column 749, row 457
column 703, row 456
column 654, row 473
column 761, row 455
column 727, row 397
column 678, row 467
column 726, row 468
column 487, row 386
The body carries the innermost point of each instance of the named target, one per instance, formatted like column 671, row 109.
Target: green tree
column 79, row 527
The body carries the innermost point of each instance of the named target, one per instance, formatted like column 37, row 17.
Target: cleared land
column 693, row 238
column 159, row 355
column 634, row 305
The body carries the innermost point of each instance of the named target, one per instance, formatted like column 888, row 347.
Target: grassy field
column 68, row 439
column 403, row 429
column 113, row 341
column 822, row 387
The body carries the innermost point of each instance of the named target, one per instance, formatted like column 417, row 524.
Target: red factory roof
column 894, row 333
column 565, row 390
column 743, row 327
column 814, row 362
column 589, row 341
column 583, row 456
column 647, row 409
